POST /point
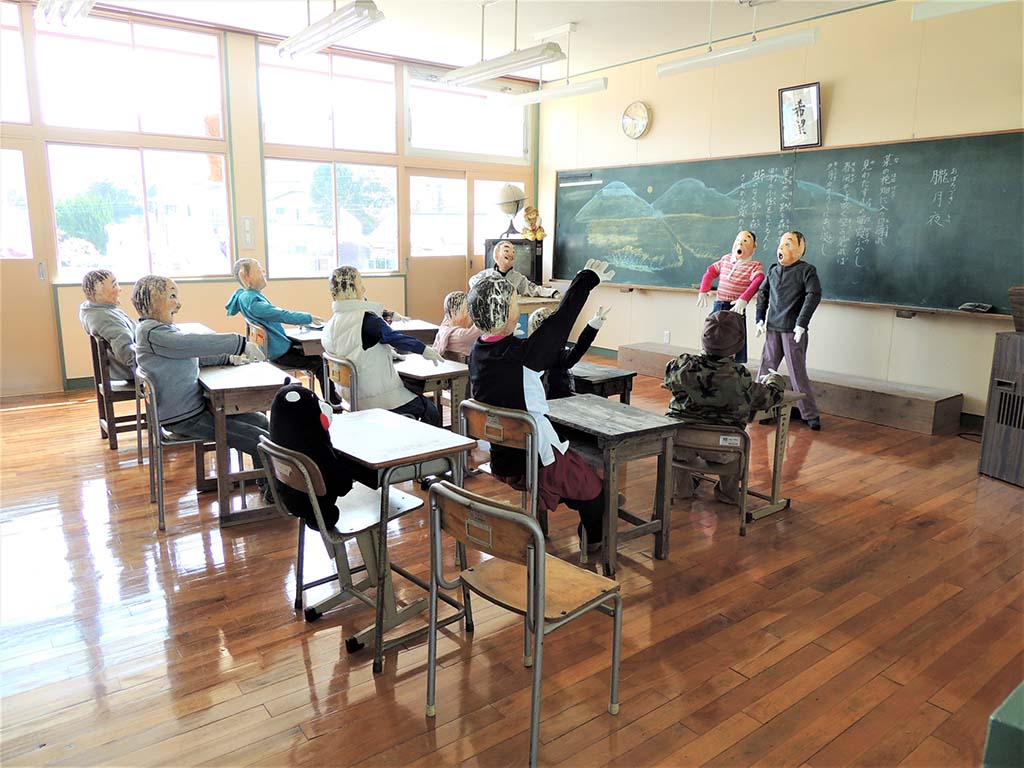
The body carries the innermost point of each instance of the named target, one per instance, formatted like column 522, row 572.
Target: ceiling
column 609, row 32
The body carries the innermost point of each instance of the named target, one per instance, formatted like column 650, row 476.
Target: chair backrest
column 498, row 529
column 506, row 427
column 342, row 371
column 295, row 470
column 257, row 334
column 101, row 353
column 713, row 437
column 146, row 388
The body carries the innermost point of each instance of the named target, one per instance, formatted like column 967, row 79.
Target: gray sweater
column 110, row 322
column 172, row 359
column 788, row 296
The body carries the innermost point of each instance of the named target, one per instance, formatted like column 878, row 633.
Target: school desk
column 602, row 380
column 427, row 377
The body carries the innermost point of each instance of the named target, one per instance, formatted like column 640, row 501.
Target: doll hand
column 433, row 355
column 398, row 317
column 238, row 359
column 519, row 333
column 315, row 320
column 798, row 334
column 253, row 353
column 600, row 268
column 739, row 305
column 759, row 328
column 702, row 299
column 599, row 317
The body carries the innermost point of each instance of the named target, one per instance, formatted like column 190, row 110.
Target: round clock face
column 636, row 119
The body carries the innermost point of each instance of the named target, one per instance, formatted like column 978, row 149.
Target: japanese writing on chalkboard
column 943, row 184
column 886, row 195
column 831, row 173
column 849, row 180
column 863, row 222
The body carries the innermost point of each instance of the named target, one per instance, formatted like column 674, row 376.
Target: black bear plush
column 299, row 421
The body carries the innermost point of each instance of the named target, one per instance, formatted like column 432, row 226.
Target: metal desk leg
column 382, row 565
column 220, row 432
column 662, row 499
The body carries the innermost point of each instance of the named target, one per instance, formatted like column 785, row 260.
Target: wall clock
column 636, row 119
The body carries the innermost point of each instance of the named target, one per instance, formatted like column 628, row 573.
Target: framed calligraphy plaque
column 800, row 116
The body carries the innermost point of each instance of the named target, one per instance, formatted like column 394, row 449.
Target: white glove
column 599, row 317
column 315, row 320
column 739, row 305
column 600, row 268
column 702, row 299
column 253, row 353
column 433, row 355
column 238, row 359
column 759, row 328
column 798, row 333
column 519, row 333
column 771, row 372
column 398, row 317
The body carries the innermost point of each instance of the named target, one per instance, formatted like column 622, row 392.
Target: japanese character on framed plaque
column 800, row 116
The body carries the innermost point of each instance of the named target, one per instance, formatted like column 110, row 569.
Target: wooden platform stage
column 877, row 622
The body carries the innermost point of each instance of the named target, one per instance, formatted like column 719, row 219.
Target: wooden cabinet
column 1002, row 441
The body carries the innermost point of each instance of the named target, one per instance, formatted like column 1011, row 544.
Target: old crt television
column 529, row 256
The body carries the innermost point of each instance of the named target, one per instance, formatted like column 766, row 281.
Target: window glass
column 438, row 224
column 294, row 99
column 84, row 74
column 187, row 212
column 98, row 207
column 180, row 77
column 367, row 216
column 488, row 220
column 300, row 218
column 15, row 234
column 364, row 104
column 464, row 120
column 14, row 93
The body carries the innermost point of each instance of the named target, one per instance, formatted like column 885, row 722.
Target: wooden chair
column 508, row 428
column 110, row 391
column 259, row 336
column 723, row 439
column 520, row 577
column 160, row 438
column 342, row 372
column 359, row 519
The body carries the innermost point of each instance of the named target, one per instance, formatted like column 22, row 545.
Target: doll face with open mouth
column 744, row 245
column 791, row 249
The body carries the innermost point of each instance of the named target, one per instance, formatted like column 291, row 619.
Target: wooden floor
column 877, row 622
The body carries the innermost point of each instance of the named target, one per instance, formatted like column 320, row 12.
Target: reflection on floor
column 877, row 621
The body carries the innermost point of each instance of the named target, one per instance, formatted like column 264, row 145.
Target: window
column 139, row 211
column 327, row 101
column 123, row 76
column 488, row 220
column 438, row 208
column 15, row 234
column 14, row 93
column 465, row 121
column 322, row 215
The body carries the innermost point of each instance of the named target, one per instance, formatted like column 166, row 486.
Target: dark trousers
column 314, row 364
column 779, row 344
column 244, row 431
column 741, row 356
column 421, row 409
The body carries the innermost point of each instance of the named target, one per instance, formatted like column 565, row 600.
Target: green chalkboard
column 919, row 223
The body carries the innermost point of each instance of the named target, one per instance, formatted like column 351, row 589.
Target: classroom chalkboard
column 931, row 223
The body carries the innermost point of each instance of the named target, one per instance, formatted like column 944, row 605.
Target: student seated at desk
column 456, row 332
column 257, row 308
column 504, row 266
column 506, row 372
column 101, row 316
column 557, row 379
column 357, row 332
column 172, row 359
column 713, row 388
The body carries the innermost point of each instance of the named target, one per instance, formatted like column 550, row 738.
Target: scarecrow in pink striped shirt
column 738, row 279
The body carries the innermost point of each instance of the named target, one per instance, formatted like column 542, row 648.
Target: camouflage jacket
column 717, row 390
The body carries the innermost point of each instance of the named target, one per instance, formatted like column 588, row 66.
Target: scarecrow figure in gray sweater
column 101, row 316
column 785, row 302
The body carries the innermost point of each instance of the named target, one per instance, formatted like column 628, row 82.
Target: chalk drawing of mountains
column 693, row 197
column 615, row 201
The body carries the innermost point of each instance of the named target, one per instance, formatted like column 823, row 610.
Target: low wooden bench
column 927, row 410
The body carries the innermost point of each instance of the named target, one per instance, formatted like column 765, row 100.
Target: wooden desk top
column 221, row 378
column 379, row 439
column 595, row 373
column 535, row 302
column 607, row 419
column 420, row 369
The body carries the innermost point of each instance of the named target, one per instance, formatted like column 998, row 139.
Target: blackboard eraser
column 975, row 306
column 906, row 314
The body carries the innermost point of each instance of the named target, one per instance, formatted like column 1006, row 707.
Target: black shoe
column 268, row 493
column 814, row 424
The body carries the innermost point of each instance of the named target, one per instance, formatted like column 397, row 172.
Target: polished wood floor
column 878, row 622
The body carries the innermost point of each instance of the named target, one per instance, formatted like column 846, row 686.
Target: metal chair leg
column 613, row 700
column 299, row 557
column 160, row 485
column 538, row 682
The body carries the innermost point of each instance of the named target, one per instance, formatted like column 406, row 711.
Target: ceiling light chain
column 711, row 16
column 515, row 26
column 753, row 34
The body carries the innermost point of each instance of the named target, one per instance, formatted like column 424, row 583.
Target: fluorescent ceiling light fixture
column 760, row 47
column 548, row 53
column 65, row 10
column 341, row 23
column 929, row 9
column 558, row 92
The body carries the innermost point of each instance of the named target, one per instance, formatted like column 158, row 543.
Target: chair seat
column 566, row 587
column 123, row 386
column 360, row 510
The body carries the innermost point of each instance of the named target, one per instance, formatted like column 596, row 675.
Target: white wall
column 884, row 78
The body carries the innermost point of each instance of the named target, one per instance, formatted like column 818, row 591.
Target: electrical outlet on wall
column 667, row 337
